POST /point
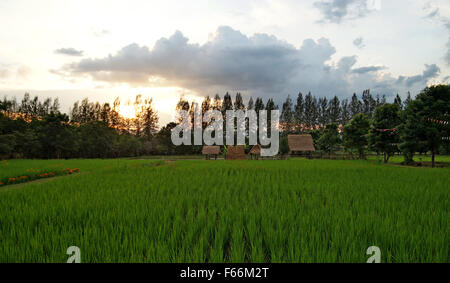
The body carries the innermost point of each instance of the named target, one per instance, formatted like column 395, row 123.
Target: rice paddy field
column 295, row 210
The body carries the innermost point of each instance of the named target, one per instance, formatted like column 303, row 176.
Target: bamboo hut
column 235, row 153
column 210, row 150
column 302, row 145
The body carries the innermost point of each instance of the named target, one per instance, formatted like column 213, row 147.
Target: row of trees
column 422, row 125
column 35, row 129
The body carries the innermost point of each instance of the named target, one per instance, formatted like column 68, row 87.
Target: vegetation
column 34, row 129
column 216, row 211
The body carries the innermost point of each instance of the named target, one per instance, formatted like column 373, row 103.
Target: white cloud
column 336, row 11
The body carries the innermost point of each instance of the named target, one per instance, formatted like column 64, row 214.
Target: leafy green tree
column 329, row 139
column 284, row 146
column 426, row 121
column 383, row 135
column 355, row 134
column 7, row 144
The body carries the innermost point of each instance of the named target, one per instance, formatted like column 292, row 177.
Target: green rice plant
column 226, row 211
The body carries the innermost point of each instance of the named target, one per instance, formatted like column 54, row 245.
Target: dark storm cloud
column 69, row 52
column 231, row 61
column 335, row 11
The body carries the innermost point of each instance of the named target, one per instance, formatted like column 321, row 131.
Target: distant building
column 301, row 144
column 211, row 151
column 235, row 153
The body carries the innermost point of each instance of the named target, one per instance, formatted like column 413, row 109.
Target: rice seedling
column 221, row 211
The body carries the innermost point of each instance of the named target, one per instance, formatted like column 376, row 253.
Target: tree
column 309, row 110
column 259, row 105
column 334, row 110
column 426, row 121
column 239, row 102
column 323, row 112
column 251, row 104
column 287, row 115
column 329, row 139
column 355, row 106
column 284, row 146
column 165, row 140
column 355, row 134
column 398, row 101
column 383, row 135
column 227, row 104
column 217, row 103
column 345, row 115
column 407, row 100
column 299, row 107
column 150, row 120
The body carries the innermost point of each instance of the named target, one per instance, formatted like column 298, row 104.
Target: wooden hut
column 211, row 150
column 235, row 152
column 302, row 145
column 255, row 152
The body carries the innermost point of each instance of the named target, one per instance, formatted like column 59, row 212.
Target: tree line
column 37, row 129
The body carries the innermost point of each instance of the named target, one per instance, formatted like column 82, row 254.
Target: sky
column 268, row 48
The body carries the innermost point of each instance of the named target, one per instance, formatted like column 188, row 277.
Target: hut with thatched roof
column 301, row 145
column 235, row 153
column 255, row 152
column 211, row 151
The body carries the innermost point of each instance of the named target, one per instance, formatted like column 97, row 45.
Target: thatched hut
column 255, row 152
column 301, row 145
column 211, row 150
column 235, row 152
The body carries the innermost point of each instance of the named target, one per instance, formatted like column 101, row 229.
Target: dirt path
column 38, row 181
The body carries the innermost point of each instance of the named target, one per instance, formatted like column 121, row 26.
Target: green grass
column 226, row 211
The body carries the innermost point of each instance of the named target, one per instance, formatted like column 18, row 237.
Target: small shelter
column 255, row 152
column 211, row 150
column 301, row 145
column 236, row 152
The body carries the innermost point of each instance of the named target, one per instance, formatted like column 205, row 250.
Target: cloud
column 259, row 65
column 431, row 71
column 447, row 55
column 368, row 69
column 433, row 13
column 359, row 42
column 69, row 52
column 336, row 11
column 23, row 72
column 100, row 33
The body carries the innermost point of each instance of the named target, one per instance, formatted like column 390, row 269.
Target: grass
column 221, row 211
